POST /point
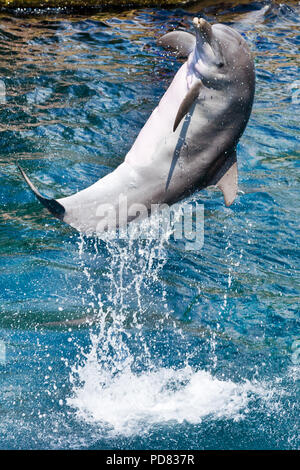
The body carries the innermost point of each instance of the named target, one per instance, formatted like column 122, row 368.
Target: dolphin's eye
column 220, row 65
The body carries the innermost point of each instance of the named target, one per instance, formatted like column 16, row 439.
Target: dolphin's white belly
column 159, row 127
column 156, row 142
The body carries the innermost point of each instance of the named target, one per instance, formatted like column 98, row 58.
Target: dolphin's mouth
column 207, row 46
column 204, row 33
column 203, row 28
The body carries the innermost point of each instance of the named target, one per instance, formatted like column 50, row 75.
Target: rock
column 101, row 4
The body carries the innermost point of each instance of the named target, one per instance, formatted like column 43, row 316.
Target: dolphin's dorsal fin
column 226, row 179
column 181, row 42
column 187, row 103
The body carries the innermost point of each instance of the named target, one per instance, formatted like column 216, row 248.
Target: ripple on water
column 127, row 345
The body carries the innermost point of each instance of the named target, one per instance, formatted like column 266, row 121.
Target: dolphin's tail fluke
column 52, row 205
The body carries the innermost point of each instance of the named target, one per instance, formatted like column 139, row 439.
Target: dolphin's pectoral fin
column 187, row 103
column 52, row 205
column 226, row 179
column 179, row 41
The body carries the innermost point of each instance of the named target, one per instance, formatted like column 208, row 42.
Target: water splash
column 123, row 387
column 118, row 313
column 131, row 403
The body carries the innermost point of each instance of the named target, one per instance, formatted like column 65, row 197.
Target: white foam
column 130, row 403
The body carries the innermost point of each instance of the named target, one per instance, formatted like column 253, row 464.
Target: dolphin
column 189, row 141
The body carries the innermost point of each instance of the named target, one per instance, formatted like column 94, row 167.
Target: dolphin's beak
column 203, row 30
column 206, row 44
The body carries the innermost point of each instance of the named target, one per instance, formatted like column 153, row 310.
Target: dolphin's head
column 220, row 52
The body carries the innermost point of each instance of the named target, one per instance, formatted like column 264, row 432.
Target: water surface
column 142, row 344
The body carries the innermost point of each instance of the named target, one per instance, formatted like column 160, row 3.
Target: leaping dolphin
column 189, row 141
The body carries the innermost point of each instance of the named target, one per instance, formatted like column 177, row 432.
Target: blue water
column 140, row 344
